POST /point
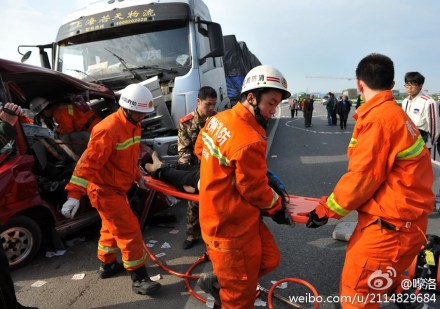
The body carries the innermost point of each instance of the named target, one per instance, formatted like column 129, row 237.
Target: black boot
column 209, row 284
column 111, row 269
column 142, row 283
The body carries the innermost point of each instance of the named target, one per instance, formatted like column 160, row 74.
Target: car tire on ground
column 21, row 238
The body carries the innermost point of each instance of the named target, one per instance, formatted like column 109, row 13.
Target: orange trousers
column 120, row 228
column 238, row 263
column 375, row 260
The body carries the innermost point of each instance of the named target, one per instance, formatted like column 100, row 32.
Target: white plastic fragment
column 38, row 283
column 78, row 276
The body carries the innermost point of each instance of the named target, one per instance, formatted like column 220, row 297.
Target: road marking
column 291, row 124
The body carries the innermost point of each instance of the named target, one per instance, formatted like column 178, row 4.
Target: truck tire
column 21, row 238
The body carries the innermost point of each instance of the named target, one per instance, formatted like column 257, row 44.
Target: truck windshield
column 112, row 57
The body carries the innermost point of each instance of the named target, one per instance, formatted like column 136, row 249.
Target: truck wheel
column 21, row 238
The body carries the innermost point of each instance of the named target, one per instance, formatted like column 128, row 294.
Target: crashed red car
column 34, row 167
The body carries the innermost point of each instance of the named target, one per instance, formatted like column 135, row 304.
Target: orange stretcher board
column 298, row 206
column 166, row 188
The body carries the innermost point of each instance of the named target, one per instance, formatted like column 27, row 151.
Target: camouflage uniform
column 189, row 128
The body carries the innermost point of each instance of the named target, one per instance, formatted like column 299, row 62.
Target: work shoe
column 189, row 243
column 152, row 167
column 109, row 270
column 209, row 284
column 142, row 284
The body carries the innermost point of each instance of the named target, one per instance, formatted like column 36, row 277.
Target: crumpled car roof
column 34, row 81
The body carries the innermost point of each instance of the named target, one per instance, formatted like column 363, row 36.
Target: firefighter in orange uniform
column 389, row 182
column 234, row 191
column 69, row 117
column 105, row 172
column 74, row 123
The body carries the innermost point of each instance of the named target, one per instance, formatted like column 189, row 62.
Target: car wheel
column 21, row 238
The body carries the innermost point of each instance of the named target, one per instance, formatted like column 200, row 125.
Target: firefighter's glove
column 315, row 221
column 283, row 216
column 70, row 207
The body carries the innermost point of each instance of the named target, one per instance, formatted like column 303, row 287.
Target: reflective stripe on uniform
column 274, row 200
column 132, row 264
column 214, row 150
column 353, row 142
column 70, row 109
column 128, row 143
column 335, row 207
column 412, row 151
column 79, row 181
column 108, row 249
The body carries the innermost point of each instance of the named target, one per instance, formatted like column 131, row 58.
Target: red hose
column 168, row 270
column 300, row 281
column 187, row 276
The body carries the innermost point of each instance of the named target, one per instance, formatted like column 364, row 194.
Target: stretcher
column 298, row 206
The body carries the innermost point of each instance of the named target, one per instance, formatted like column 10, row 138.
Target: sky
column 316, row 44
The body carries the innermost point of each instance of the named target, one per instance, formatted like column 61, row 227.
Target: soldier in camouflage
column 189, row 128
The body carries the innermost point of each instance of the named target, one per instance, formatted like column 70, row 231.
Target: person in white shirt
column 421, row 108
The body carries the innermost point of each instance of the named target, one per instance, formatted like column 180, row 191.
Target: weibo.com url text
column 365, row 298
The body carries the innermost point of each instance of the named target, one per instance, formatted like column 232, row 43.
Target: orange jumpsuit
column 70, row 118
column 389, row 182
column 105, row 172
column 233, row 195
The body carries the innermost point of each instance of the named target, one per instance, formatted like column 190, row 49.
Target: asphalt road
column 309, row 161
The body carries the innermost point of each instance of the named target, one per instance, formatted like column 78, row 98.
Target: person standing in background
column 189, row 128
column 343, row 109
column 421, row 108
column 330, row 106
column 292, row 107
column 308, row 111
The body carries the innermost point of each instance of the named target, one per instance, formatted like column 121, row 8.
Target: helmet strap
column 260, row 119
column 127, row 114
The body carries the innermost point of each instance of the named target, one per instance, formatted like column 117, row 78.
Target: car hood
column 28, row 81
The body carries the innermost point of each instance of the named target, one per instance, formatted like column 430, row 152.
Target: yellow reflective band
column 131, row 264
column 128, row 143
column 353, row 142
column 214, row 150
column 412, row 151
column 79, row 181
column 274, row 200
column 70, row 109
column 108, row 249
column 335, row 207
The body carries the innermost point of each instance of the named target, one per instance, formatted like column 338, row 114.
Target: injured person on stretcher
column 185, row 177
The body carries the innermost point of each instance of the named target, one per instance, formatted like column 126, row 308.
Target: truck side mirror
column 215, row 36
column 26, row 56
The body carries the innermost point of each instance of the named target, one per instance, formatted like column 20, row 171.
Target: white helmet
column 265, row 76
column 137, row 98
column 38, row 104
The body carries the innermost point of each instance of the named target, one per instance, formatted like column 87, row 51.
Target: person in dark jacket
column 8, row 117
column 343, row 109
column 308, row 111
column 331, row 107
